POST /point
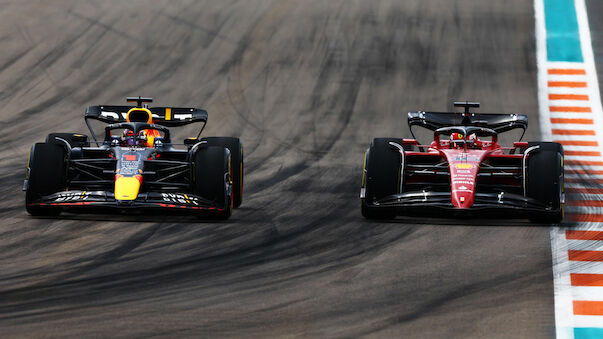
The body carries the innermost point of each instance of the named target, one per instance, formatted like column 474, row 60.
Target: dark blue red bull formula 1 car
column 136, row 165
column 464, row 171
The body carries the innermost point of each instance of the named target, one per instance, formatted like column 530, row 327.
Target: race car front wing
column 485, row 204
column 183, row 201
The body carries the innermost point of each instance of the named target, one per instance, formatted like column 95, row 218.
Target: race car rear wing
column 496, row 121
column 165, row 116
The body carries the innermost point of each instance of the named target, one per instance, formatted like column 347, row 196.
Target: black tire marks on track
column 306, row 86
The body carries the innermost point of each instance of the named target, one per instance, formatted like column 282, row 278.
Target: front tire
column 46, row 175
column 544, row 179
column 212, row 178
column 381, row 177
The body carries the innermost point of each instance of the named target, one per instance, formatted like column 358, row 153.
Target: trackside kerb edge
column 571, row 114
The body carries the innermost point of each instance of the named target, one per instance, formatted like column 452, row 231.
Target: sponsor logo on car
column 183, row 199
column 72, row 196
column 467, row 157
column 465, row 182
column 464, row 166
column 129, row 164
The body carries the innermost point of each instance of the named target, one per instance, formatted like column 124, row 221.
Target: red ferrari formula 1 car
column 464, row 171
column 136, row 165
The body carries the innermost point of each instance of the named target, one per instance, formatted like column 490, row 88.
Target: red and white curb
column 571, row 114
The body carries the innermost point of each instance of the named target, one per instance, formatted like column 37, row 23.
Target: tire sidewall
column 381, row 177
column 545, row 176
column 211, row 179
column 235, row 146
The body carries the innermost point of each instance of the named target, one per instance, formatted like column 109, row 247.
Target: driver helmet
column 141, row 139
column 141, row 114
column 127, row 138
column 456, row 136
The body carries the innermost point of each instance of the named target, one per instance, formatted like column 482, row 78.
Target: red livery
column 464, row 171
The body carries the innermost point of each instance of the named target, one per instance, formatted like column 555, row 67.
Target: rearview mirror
column 190, row 141
column 410, row 142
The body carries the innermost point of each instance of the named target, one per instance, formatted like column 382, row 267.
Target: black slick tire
column 235, row 147
column 544, row 179
column 46, row 175
column 211, row 178
column 381, row 177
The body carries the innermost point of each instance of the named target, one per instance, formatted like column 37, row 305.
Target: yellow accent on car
column 168, row 114
column 126, row 188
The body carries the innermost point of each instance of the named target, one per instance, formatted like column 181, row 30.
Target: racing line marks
column 583, row 235
column 566, row 143
column 572, row 84
column 567, row 109
column 579, row 97
column 559, row 131
column 577, row 255
column 587, row 307
column 586, row 279
column 566, row 71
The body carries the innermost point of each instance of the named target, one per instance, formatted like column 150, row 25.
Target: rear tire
column 46, row 175
column 235, row 147
column 544, row 181
column 212, row 174
column 381, row 177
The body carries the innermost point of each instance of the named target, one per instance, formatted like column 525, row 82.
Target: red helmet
column 456, row 136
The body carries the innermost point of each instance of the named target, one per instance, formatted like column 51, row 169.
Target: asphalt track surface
column 306, row 85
